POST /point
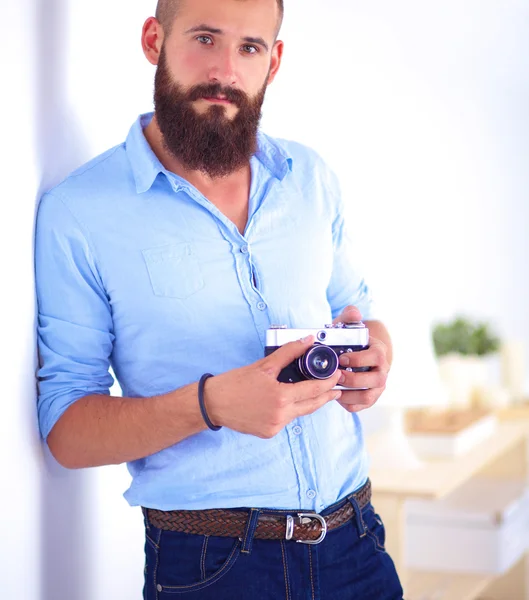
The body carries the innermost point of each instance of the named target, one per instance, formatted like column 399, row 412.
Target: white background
column 421, row 108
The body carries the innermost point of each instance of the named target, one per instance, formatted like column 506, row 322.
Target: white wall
column 421, row 109
column 20, row 451
column 58, row 527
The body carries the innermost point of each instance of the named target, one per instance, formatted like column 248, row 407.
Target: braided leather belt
column 303, row 527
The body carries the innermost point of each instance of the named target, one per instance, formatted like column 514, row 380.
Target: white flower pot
column 462, row 376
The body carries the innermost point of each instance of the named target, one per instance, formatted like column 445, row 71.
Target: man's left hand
column 376, row 357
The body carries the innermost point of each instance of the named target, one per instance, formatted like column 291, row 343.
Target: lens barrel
column 319, row 362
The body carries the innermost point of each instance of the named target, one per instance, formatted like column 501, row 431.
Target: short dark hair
column 167, row 10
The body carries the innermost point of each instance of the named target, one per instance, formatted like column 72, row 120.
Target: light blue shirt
column 138, row 271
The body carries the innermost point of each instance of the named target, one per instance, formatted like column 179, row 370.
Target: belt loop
column 146, row 518
column 251, row 526
column 357, row 516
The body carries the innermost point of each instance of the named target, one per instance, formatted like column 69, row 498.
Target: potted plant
column 463, row 348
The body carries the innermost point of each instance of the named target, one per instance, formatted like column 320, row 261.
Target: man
column 168, row 258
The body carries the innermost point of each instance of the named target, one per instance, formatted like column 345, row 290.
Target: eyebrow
column 208, row 29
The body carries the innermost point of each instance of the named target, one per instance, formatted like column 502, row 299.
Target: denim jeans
column 350, row 563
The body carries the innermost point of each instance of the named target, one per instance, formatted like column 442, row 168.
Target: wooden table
column 503, row 455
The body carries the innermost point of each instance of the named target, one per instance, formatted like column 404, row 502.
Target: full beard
column 208, row 142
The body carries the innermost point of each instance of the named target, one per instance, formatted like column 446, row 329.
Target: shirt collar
column 146, row 165
column 273, row 156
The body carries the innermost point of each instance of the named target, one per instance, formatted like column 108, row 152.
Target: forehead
column 237, row 17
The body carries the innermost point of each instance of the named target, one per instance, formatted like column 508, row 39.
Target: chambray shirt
column 138, row 271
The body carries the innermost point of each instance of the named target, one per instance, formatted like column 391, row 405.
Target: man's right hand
column 251, row 399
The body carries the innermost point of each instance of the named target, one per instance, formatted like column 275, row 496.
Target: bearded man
column 168, row 258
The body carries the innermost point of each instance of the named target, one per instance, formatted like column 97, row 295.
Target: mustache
column 213, row 90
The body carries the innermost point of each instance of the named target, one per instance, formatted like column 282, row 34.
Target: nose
column 222, row 69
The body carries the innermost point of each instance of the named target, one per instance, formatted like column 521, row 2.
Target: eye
column 204, row 39
column 249, row 49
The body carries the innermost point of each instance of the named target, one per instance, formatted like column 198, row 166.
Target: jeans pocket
column 375, row 529
column 189, row 563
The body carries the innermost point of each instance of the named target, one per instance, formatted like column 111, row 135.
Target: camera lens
column 320, row 362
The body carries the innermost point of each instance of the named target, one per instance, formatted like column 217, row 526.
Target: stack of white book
column 482, row 527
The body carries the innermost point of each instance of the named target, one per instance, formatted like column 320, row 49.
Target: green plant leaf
column 463, row 336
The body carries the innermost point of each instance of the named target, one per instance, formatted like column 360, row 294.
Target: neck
column 199, row 179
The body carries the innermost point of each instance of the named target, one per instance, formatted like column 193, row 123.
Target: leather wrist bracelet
column 201, row 402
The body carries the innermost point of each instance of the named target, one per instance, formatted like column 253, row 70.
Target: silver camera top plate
column 348, row 334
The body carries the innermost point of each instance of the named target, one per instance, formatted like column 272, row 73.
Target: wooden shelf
column 446, row 586
column 436, row 478
column 424, row 585
column 514, row 412
column 503, row 455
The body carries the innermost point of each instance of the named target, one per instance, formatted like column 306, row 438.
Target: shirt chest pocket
column 173, row 270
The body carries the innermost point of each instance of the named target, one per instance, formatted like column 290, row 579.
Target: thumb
column 285, row 354
column 349, row 314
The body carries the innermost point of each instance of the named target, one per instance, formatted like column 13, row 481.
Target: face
column 213, row 70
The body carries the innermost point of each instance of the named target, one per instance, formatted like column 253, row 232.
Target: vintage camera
column 321, row 361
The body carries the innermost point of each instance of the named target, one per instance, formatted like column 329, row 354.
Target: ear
column 152, row 37
column 275, row 63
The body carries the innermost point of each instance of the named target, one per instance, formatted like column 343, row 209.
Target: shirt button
column 297, row 430
column 311, row 494
column 244, row 249
column 261, row 306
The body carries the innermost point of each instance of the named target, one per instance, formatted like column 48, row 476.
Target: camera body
column 321, row 361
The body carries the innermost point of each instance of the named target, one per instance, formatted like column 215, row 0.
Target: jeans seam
column 311, row 579
column 203, row 558
column 155, row 574
column 152, row 541
column 285, row 570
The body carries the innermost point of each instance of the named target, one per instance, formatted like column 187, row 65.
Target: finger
column 349, row 314
column 373, row 379
column 374, row 356
column 307, row 407
column 312, row 388
column 359, row 400
column 285, row 354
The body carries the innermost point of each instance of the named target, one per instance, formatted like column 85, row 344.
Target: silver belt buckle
column 305, row 518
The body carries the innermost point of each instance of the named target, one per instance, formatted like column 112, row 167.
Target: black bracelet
column 201, row 402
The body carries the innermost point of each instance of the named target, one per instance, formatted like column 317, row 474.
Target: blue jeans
column 350, row 563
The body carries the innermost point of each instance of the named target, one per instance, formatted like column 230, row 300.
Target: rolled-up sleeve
column 75, row 336
column 347, row 285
